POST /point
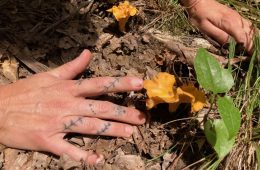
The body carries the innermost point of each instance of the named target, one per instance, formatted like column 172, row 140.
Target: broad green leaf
column 217, row 135
column 210, row 75
column 230, row 115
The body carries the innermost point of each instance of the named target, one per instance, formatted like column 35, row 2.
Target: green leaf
column 217, row 135
column 230, row 115
column 210, row 75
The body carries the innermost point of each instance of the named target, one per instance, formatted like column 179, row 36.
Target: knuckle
column 98, row 82
column 58, row 104
column 90, row 125
column 104, row 107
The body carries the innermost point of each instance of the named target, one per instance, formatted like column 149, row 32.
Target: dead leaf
column 66, row 43
column 157, row 166
column 40, row 160
column 139, row 141
column 3, row 81
column 78, row 141
column 127, row 162
column 160, row 60
column 167, row 160
column 186, row 51
column 14, row 159
column 1, row 160
column 103, row 39
column 67, row 163
column 150, row 73
column 10, row 69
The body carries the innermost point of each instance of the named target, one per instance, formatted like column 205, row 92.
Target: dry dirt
column 44, row 34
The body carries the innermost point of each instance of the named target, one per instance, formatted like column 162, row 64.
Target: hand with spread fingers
column 219, row 22
column 36, row 113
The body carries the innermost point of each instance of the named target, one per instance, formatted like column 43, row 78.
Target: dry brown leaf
column 103, row 39
column 14, row 159
column 67, row 163
column 157, row 166
column 39, row 161
column 167, row 160
column 127, row 162
column 10, row 69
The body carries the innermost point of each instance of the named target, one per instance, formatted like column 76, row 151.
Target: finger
column 94, row 126
column 239, row 28
column 103, row 85
column 104, row 110
column 211, row 30
column 74, row 67
column 63, row 148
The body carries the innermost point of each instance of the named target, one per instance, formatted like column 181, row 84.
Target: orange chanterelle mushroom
column 162, row 89
column 122, row 12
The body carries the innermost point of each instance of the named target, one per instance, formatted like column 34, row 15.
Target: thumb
column 72, row 68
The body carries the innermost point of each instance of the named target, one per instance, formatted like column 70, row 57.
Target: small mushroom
column 122, row 13
column 161, row 90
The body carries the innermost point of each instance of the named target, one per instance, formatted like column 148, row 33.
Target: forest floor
column 41, row 35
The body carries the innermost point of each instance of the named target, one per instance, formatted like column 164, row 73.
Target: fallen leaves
column 126, row 162
column 10, row 69
column 162, row 89
column 122, row 13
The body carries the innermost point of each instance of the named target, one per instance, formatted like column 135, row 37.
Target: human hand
column 219, row 21
column 36, row 113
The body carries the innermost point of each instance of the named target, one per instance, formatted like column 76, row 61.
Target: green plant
column 220, row 133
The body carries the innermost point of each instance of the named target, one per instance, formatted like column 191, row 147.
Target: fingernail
column 129, row 130
column 137, row 82
column 143, row 118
